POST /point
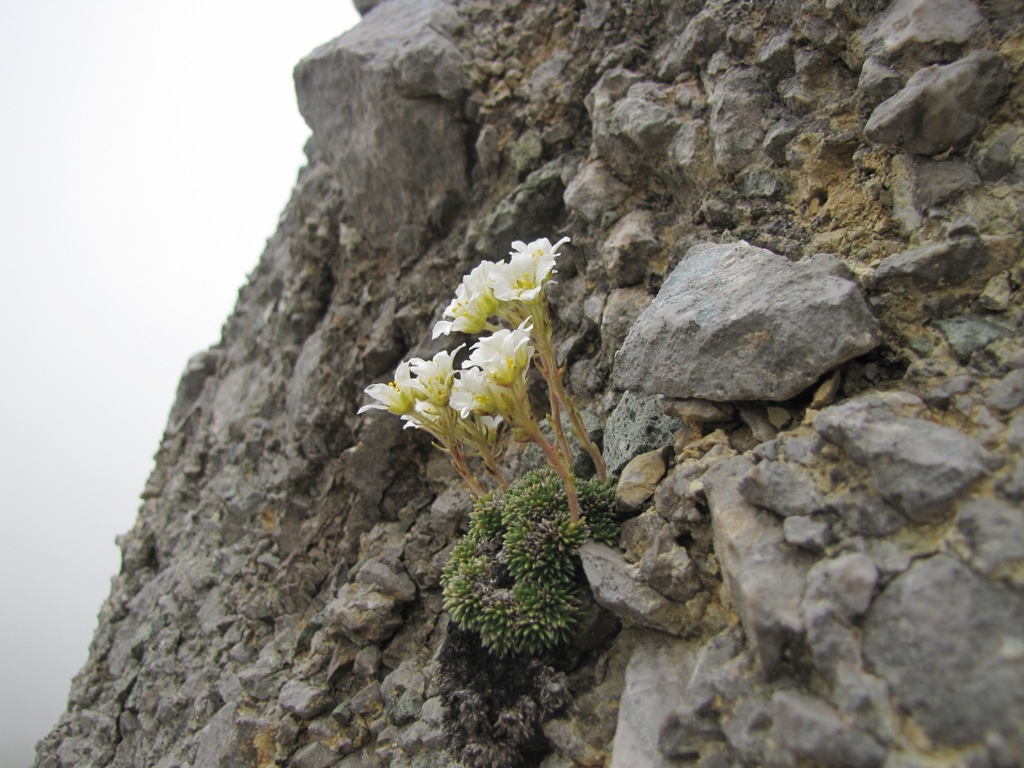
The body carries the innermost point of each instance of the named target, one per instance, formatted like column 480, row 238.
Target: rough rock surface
column 820, row 559
column 761, row 327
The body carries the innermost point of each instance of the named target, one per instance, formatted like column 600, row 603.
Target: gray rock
column 623, row 307
column 594, row 192
column 997, row 294
column 365, row 6
column 227, row 741
column 1008, row 393
column 758, row 183
column 655, row 681
column 1002, row 153
column 968, row 334
column 994, row 531
column 950, row 644
column 637, row 425
column 609, row 89
column 689, row 153
column 748, row 727
column 866, row 514
column 381, row 101
column 839, row 590
column 638, row 534
column 941, row 106
column 364, row 614
column 764, row 328
column 367, row 661
column 934, row 266
column 782, row 488
column 304, row 700
column 638, row 129
column 919, row 185
column 629, row 247
column 526, row 153
column 316, row 754
column 810, row 729
column 714, row 671
column 808, row 533
column 776, row 54
column 877, row 82
column 536, row 200
column 684, row 732
column 618, row 586
column 765, row 578
column 846, row 583
column 395, row 585
column 738, row 104
column 667, row 567
column 917, row 466
column 779, row 137
column 198, row 370
column 703, row 35
column 934, row 25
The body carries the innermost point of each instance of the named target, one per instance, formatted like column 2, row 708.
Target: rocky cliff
column 791, row 311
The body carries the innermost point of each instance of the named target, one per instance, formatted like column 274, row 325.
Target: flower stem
column 553, row 374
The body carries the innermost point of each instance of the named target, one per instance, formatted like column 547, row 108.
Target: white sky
column 147, row 148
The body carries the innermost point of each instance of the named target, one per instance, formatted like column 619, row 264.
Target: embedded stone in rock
column 995, row 533
column 304, row 700
column 702, row 37
column 738, row 104
column 735, row 322
column 638, row 481
column 382, row 103
column 629, row 247
column 765, row 577
column 935, row 266
column 950, row 644
column 364, row 614
column 656, row 679
column 782, row 488
column 227, row 740
column 637, row 425
column 618, row 587
column 810, row 729
column 917, row 466
column 941, row 106
column 877, row 82
column 920, row 184
column 594, row 192
column 931, row 23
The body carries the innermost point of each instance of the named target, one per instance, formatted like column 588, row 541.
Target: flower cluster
column 470, row 408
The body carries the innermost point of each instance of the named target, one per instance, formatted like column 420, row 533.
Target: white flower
column 473, row 304
column 434, row 377
column 523, row 277
column 399, row 396
column 472, row 392
column 505, row 355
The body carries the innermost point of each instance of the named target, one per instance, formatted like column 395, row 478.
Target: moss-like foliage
column 494, row 706
column 513, row 578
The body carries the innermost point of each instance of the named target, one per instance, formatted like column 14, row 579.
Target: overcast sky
column 147, row 148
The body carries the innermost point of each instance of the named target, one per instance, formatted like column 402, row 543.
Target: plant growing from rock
column 513, row 578
column 475, row 409
column 512, row 583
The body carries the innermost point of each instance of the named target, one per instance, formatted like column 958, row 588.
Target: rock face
column 382, row 101
column 790, row 312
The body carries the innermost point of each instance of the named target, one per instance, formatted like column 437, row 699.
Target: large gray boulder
column 735, row 322
column 383, row 102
